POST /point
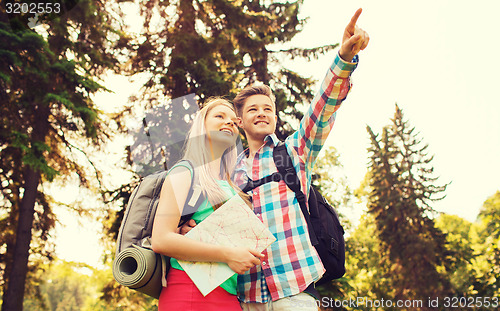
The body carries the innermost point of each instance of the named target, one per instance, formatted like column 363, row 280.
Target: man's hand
column 185, row 228
column 355, row 39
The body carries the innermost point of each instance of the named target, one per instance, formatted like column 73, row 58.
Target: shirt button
column 255, row 192
column 263, row 263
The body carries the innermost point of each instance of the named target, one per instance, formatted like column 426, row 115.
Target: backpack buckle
column 334, row 246
column 300, row 197
column 248, row 186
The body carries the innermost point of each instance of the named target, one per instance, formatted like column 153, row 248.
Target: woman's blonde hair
column 197, row 151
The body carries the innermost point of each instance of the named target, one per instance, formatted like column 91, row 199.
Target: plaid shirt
column 291, row 263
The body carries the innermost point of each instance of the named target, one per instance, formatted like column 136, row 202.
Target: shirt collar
column 270, row 139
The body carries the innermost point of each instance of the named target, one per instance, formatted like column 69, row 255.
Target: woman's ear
column 238, row 122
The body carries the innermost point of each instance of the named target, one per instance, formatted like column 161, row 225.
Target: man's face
column 258, row 117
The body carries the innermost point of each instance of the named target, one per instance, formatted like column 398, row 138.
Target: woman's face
column 220, row 127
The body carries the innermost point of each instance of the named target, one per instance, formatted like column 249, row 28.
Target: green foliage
column 490, row 215
column 64, row 285
column 367, row 272
column 216, row 47
column 461, row 272
column 468, row 259
column 475, row 268
column 60, row 287
column 486, row 264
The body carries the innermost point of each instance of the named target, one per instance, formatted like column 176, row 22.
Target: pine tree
column 47, row 116
column 402, row 188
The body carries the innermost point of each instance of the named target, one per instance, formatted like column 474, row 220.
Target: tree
column 214, row 48
column 47, row 118
column 63, row 285
column 402, row 186
column 60, row 287
column 490, row 215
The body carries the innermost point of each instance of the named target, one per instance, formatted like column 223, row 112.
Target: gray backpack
column 136, row 265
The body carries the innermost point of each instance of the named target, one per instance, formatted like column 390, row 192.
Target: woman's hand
column 241, row 259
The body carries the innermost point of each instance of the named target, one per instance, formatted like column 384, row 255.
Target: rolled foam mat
column 140, row 269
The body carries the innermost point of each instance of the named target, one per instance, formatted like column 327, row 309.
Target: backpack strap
column 287, row 173
column 195, row 195
column 284, row 164
column 252, row 184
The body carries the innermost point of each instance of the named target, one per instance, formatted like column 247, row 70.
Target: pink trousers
column 182, row 294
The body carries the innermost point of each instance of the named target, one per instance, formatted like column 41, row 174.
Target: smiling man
column 291, row 265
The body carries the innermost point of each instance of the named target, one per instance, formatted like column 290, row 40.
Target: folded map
column 232, row 224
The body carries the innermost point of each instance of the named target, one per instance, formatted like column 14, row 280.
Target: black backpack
column 325, row 231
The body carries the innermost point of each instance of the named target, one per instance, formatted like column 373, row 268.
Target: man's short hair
column 243, row 95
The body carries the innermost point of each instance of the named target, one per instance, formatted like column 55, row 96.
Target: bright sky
column 438, row 60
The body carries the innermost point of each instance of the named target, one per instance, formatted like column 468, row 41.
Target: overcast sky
column 438, row 60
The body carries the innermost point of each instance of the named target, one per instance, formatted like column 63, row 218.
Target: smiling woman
column 222, row 132
column 211, row 153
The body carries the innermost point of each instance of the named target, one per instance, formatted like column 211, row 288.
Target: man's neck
column 254, row 145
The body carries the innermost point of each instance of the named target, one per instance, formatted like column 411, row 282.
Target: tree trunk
column 14, row 292
column 14, row 295
column 7, row 260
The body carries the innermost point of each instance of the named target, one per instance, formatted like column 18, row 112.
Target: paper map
column 232, row 224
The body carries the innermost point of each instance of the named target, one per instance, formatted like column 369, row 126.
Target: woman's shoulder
column 181, row 173
column 183, row 165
